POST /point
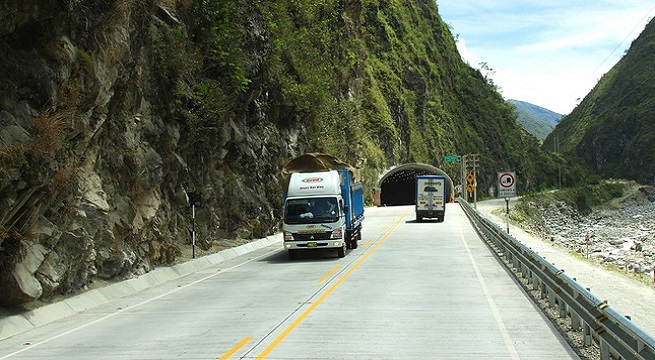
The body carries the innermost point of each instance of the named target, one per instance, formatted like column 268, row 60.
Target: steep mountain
column 537, row 120
column 113, row 112
column 613, row 128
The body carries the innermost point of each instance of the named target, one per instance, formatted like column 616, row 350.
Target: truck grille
column 312, row 236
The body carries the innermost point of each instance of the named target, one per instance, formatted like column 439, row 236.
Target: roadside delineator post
column 194, row 200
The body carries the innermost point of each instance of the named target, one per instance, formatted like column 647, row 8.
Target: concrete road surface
column 410, row 291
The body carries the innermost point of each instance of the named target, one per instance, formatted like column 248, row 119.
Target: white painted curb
column 16, row 324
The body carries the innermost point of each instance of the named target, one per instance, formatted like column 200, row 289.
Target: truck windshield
column 311, row 211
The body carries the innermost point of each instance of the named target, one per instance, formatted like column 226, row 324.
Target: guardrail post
column 587, row 334
column 562, row 308
column 576, row 321
column 604, row 350
column 536, row 285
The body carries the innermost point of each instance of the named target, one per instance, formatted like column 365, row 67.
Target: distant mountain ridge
column 537, row 120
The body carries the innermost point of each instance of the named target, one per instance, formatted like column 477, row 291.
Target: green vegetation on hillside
column 612, row 130
column 374, row 82
column 581, row 198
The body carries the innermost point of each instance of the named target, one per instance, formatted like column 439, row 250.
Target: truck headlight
column 337, row 234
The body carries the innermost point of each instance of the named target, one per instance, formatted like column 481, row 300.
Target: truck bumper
column 430, row 213
column 309, row 245
column 434, row 214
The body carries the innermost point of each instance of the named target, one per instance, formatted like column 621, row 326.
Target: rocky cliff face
column 113, row 111
column 94, row 171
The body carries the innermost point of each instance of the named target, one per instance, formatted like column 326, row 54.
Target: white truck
column 322, row 210
column 431, row 197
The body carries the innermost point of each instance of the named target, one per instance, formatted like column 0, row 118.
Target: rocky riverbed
column 621, row 233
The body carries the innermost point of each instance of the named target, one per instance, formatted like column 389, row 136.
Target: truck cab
column 319, row 213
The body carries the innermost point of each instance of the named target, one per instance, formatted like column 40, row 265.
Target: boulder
column 23, row 286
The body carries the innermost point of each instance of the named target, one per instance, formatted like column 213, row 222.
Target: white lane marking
column 487, row 294
column 33, row 345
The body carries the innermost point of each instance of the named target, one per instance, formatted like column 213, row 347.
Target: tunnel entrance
column 397, row 186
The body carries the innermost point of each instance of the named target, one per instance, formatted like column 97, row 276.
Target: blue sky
column 549, row 53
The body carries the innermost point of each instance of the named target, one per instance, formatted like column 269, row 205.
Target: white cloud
column 549, row 53
column 465, row 53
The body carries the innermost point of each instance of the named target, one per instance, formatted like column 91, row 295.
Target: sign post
column 470, row 187
column 507, row 189
column 507, row 213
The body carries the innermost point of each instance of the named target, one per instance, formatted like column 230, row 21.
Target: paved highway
column 410, row 291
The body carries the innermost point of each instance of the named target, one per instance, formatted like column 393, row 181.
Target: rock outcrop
column 94, row 171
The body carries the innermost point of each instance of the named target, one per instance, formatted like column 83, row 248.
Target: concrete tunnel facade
column 397, row 186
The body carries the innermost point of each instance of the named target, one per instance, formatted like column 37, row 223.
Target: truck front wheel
column 353, row 239
column 341, row 252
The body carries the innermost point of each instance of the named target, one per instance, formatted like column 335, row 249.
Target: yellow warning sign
column 470, row 178
column 470, row 188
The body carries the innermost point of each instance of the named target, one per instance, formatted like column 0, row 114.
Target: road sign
column 506, row 184
column 470, row 177
column 451, row 158
column 470, row 188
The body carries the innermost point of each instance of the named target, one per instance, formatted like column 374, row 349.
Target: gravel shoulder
column 622, row 291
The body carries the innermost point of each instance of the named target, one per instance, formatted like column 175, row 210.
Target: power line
column 624, row 40
column 643, row 20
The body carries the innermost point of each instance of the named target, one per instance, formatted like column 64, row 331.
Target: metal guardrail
column 616, row 335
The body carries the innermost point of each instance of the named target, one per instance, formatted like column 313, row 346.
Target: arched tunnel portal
column 398, row 187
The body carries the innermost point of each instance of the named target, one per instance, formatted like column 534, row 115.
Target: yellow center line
column 236, row 348
column 329, row 273
column 368, row 243
column 327, row 293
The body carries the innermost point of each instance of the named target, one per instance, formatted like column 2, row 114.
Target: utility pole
column 474, row 160
column 464, row 168
column 559, row 163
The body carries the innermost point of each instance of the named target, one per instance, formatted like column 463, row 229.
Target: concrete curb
column 16, row 324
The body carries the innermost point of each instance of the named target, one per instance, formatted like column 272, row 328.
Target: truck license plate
column 312, row 244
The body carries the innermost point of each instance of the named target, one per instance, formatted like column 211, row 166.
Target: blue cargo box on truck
column 353, row 194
